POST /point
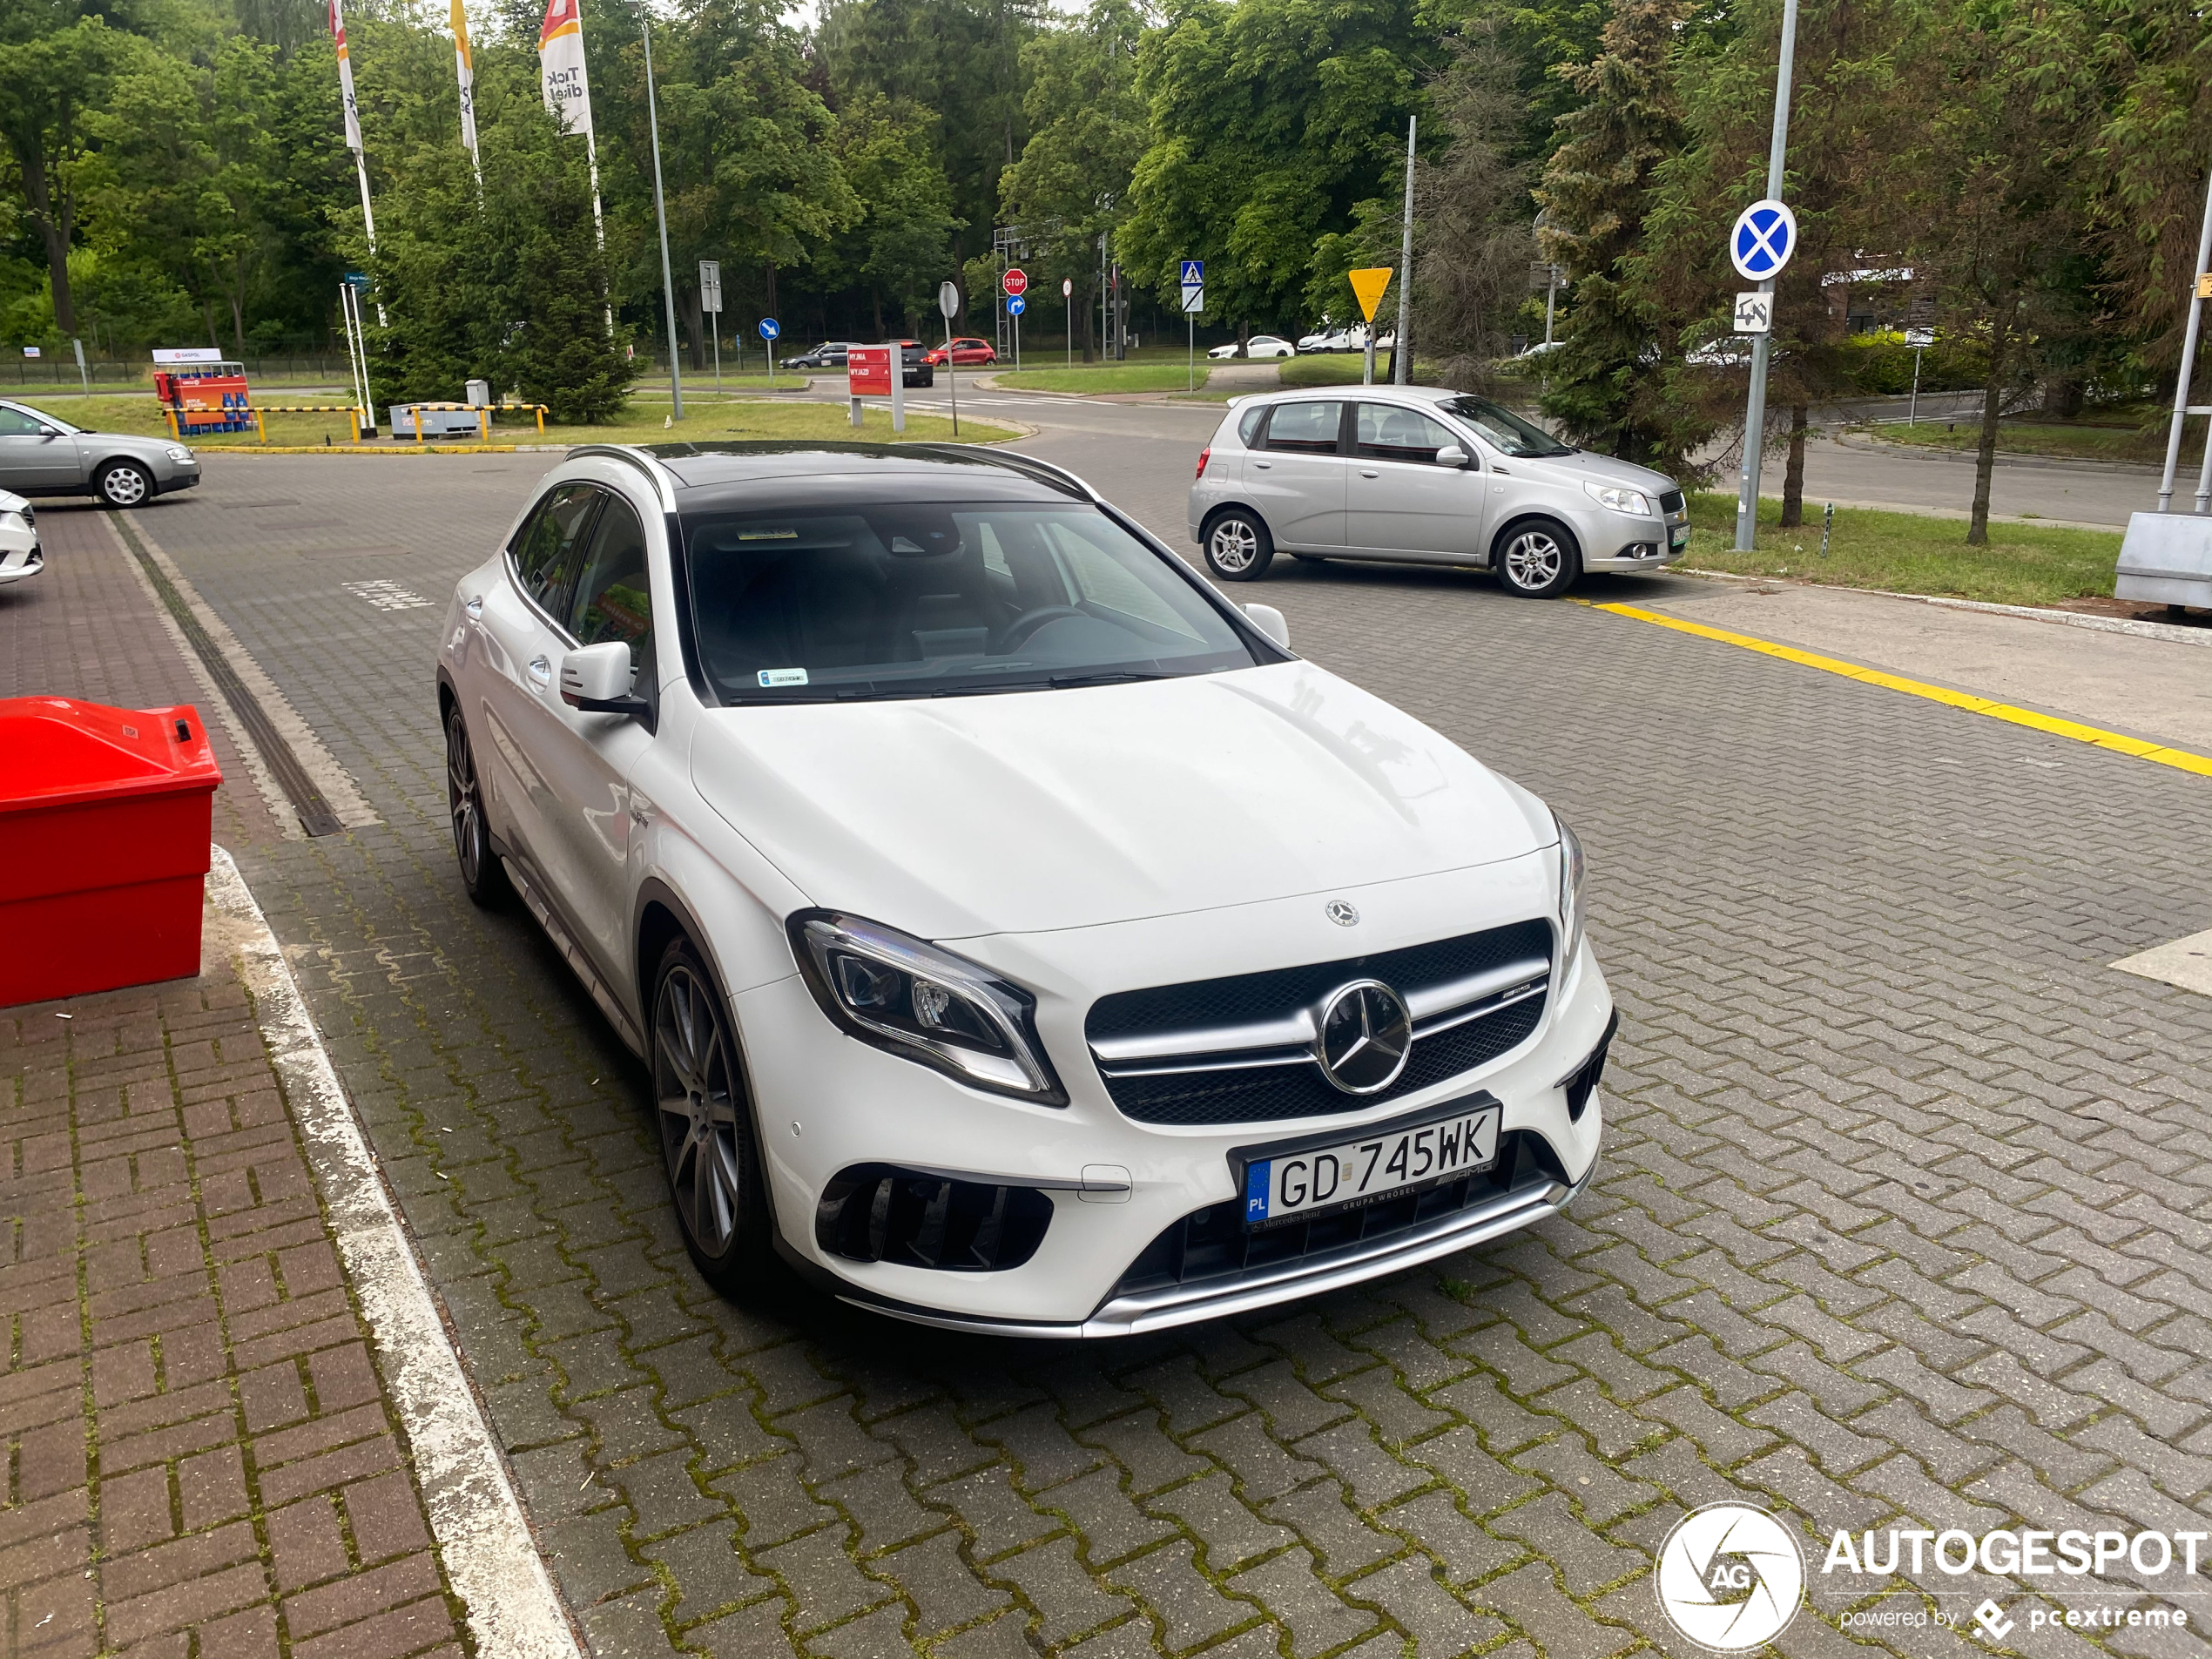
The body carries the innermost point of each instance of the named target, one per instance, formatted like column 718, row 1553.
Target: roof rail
column 1043, row 471
column 664, row 481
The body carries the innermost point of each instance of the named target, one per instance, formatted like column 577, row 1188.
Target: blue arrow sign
column 769, row 329
column 1764, row 237
column 1015, row 306
column 1194, row 274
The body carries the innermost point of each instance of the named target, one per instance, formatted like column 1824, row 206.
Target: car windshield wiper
column 1112, row 677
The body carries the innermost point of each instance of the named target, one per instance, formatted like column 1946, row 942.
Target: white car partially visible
column 1258, row 346
column 20, row 555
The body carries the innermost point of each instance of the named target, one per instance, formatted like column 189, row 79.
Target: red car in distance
column 963, row 352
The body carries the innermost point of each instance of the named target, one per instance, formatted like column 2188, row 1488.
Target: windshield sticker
column 783, row 676
column 767, row 536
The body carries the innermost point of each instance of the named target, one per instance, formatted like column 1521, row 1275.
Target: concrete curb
column 1852, row 440
column 491, row 1558
column 2166, row 631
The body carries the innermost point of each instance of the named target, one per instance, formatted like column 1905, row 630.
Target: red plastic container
column 104, row 822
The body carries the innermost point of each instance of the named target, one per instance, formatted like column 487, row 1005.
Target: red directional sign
column 1016, row 280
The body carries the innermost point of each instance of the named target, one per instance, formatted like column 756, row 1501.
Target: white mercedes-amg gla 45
column 1017, row 936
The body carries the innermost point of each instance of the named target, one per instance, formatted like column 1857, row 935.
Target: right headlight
column 1620, row 498
column 905, row 995
column 1570, row 893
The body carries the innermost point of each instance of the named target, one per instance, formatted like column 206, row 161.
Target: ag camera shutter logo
column 1730, row 1577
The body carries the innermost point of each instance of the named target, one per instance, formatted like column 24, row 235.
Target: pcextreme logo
column 1730, row 1577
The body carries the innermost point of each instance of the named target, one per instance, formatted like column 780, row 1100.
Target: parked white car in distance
column 1258, row 346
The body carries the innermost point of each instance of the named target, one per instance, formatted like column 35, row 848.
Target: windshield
column 935, row 599
column 1506, row 430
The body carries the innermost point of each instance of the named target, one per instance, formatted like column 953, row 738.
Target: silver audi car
column 1425, row 476
column 44, row 454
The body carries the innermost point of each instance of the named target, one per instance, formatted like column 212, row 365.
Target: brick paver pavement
column 1903, row 1219
column 85, row 626
column 195, row 1454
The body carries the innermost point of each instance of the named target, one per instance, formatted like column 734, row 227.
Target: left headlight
column 177, row 452
column 1570, row 893
column 906, row 996
column 1620, row 498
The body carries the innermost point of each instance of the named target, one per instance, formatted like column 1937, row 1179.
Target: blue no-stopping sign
column 1764, row 237
column 769, row 329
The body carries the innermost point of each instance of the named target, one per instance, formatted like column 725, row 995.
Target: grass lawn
column 1343, row 369
column 2070, row 439
column 2024, row 564
column 1100, row 377
column 705, row 416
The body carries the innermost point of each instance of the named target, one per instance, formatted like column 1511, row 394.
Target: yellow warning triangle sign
column 1368, row 287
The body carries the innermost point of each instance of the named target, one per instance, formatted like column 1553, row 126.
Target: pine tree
column 1606, row 378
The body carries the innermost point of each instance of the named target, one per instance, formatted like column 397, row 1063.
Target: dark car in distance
column 829, row 355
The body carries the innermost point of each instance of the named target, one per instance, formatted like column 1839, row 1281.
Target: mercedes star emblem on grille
column 1365, row 1035
column 1340, row 912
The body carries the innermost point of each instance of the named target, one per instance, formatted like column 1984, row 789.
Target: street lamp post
column 660, row 211
column 1747, row 499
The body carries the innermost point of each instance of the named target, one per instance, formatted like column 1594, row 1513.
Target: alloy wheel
column 1533, row 561
column 464, row 801
column 698, row 1109
column 123, row 486
column 1234, row 545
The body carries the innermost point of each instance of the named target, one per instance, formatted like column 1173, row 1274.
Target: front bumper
column 827, row 1103
column 19, row 563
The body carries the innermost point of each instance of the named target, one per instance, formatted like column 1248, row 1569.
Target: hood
column 1574, row 468
column 11, row 503
column 955, row 817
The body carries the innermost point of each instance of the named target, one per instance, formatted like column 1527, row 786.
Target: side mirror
column 1270, row 622
column 1452, row 455
column 597, row 679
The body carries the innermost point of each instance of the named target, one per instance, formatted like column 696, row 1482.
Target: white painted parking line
column 491, row 1558
column 386, row 596
column 2186, row 963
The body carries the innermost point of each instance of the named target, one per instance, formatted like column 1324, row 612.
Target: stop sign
column 1016, row 280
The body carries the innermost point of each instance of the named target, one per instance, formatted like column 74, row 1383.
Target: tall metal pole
column 660, row 210
column 2188, row 368
column 1401, row 359
column 1746, row 498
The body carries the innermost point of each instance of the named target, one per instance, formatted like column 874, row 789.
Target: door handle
column 1369, row 472
column 540, row 673
column 1262, row 465
column 475, row 606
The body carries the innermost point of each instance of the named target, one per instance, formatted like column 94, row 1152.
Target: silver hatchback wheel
column 1538, row 563
column 1238, row 547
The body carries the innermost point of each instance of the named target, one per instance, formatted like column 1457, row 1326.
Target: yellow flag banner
column 1367, row 287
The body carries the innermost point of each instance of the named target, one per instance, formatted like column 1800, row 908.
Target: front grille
column 1235, row 1050
column 1212, row 1243
column 875, row 1213
column 1671, row 501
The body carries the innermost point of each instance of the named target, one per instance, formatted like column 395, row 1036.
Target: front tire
column 482, row 872
column 705, row 1119
column 125, row 484
column 1537, row 561
column 1239, row 547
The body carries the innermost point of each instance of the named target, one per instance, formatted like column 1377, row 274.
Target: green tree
column 1607, row 377
column 901, row 245
column 1087, row 131
column 55, row 68
column 1270, row 120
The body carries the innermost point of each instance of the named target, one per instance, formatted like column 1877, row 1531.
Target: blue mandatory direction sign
column 1194, row 274
column 1764, row 237
column 1015, row 306
column 770, row 328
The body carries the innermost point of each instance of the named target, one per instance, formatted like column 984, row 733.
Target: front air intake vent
column 876, row 1212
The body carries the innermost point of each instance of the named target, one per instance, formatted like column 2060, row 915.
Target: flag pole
column 660, row 210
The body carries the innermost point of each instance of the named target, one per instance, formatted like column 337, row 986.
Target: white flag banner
column 560, row 56
column 467, row 69
column 346, row 80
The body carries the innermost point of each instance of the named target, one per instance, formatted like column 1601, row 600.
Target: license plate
column 1298, row 1186
column 1680, row 537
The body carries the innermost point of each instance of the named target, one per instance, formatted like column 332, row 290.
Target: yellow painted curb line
column 348, row 449
column 2180, row 759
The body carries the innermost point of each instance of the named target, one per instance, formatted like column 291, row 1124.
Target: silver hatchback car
column 1423, row 476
